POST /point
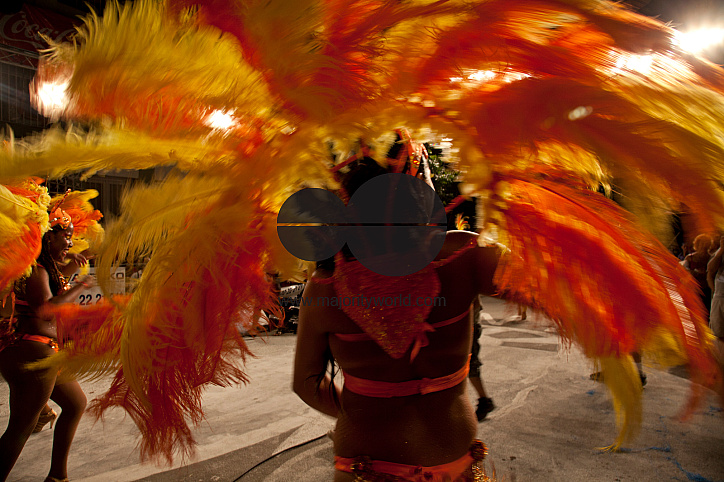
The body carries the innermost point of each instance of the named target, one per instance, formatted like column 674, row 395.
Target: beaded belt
column 42, row 339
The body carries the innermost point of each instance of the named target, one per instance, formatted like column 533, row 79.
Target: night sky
column 684, row 15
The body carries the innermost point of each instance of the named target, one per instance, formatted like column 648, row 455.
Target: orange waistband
column 445, row 472
column 42, row 339
column 378, row 389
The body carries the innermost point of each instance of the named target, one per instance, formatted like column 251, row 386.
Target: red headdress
column 74, row 207
column 58, row 217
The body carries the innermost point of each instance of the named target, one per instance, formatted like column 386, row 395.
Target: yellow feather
column 303, row 79
column 622, row 379
column 167, row 89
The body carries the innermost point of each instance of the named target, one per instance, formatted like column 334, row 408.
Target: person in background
column 715, row 241
column 715, row 280
column 485, row 403
column 696, row 263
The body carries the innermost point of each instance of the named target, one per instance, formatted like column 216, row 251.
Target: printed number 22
column 87, row 299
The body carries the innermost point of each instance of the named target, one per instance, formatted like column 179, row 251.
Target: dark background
column 684, row 15
column 687, row 15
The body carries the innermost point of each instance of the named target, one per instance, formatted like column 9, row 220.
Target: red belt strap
column 451, row 471
column 378, row 389
column 42, row 339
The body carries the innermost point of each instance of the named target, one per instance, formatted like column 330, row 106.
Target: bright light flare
column 482, row 75
column 635, row 63
column 220, row 119
column 51, row 98
column 580, row 112
column 697, row 41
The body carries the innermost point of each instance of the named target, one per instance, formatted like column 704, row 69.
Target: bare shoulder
column 38, row 274
column 480, row 263
column 320, row 307
column 456, row 240
column 318, row 287
column 320, row 280
column 37, row 287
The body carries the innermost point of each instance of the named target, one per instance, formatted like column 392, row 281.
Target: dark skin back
column 430, row 429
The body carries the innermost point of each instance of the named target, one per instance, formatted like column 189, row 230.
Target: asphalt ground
column 549, row 422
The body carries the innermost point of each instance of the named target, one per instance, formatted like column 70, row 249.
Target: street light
column 51, row 98
column 220, row 120
column 696, row 41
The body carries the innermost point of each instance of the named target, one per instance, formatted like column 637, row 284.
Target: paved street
column 550, row 419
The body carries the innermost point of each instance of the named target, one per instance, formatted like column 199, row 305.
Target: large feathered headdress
column 541, row 100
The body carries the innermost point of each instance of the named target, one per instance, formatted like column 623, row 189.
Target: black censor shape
column 394, row 224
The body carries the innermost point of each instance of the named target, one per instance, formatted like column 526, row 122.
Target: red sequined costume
column 467, row 468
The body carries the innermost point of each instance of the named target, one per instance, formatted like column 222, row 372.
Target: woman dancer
column 36, row 338
column 541, row 100
column 403, row 410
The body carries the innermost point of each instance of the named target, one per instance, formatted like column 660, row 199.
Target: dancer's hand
column 77, row 258
column 87, row 281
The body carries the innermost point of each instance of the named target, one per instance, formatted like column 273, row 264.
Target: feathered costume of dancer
column 542, row 100
column 25, row 218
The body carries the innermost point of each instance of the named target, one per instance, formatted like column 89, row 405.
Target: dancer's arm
column 37, row 289
column 486, row 262
column 75, row 261
column 686, row 263
column 310, row 361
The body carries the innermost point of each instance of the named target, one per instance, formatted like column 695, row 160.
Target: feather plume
column 23, row 221
column 181, row 327
column 535, row 86
column 165, row 90
column 610, row 288
column 623, row 138
column 90, row 339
